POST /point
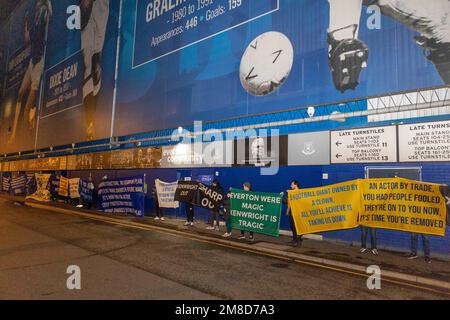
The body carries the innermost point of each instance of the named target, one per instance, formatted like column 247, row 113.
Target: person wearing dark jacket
column 247, row 187
column 159, row 214
column 296, row 240
column 214, row 214
column 227, row 215
column 189, row 214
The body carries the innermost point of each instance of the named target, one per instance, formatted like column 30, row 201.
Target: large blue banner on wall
column 123, row 195
column 3, row 55
column 17, row 66
column 26, row 28
column 79, row 73
column 186, row 60
column 182, row 61
column 63, row 86
column 180, row 24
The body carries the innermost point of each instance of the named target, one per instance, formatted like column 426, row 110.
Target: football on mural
column 266, row 63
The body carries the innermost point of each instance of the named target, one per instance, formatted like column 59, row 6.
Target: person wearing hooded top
column 214, row 214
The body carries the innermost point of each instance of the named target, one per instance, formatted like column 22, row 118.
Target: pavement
column 311, row 255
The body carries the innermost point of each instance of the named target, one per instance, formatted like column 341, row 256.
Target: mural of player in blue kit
column 36, row 25
column 348, row 54
column 94, row 20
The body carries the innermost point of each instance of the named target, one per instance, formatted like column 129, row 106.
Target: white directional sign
column 425, row 142
column 366, row 145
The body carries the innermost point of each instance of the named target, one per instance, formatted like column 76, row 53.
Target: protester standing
column 373, row 239
column 227, row 215
column 158, row 210
column 296, row 239
column 89, row 200
column 415, row 244
column 54, row 187
column 189, row 214
column 214, row 214
column 247, row 187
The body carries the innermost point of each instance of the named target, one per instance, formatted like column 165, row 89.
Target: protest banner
column 86, row 191
column 185, row 191
column 63, row 187
column 166, row 194
column 54, row 185
column 333, row 207
column 198, row 194
column 43, row 189
column 256, row 211
column 18, row 185
column 6, row 182
column 31, row 184
column 74, row 188
column 402, row 204
column 206, row 197
column 122, row 195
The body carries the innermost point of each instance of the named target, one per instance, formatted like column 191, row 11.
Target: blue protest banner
column 86, row 190
column 18, row 184
column 123, row 195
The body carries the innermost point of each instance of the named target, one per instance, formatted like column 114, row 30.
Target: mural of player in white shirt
column 94, row 20
column 35, row 33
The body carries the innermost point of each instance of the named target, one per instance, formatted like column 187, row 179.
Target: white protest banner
column 166, row 194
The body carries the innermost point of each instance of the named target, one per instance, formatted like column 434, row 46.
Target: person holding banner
column 63, row 189
column 31, row 184
column 373, row 239
column 87, row 188
column 296, row 240
column 189, row 214
column 158, row 210
column 54, row 187
column 74, row 192
column 214, row 223
column 227, row 215
column 414, row 246
column 247, row 187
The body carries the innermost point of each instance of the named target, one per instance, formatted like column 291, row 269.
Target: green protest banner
column 256, row 211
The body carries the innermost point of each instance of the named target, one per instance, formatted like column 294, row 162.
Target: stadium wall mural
column 180, row 61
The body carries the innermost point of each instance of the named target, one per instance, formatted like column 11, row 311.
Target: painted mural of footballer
column 348, row 54
column 94, row 20
column 35, row 33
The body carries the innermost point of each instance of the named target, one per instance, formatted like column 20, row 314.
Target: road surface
column 117, row 262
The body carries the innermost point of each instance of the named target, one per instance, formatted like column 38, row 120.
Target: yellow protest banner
column 42, row 191
column 402, row 204
column 63, row 187
column 327, row 208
